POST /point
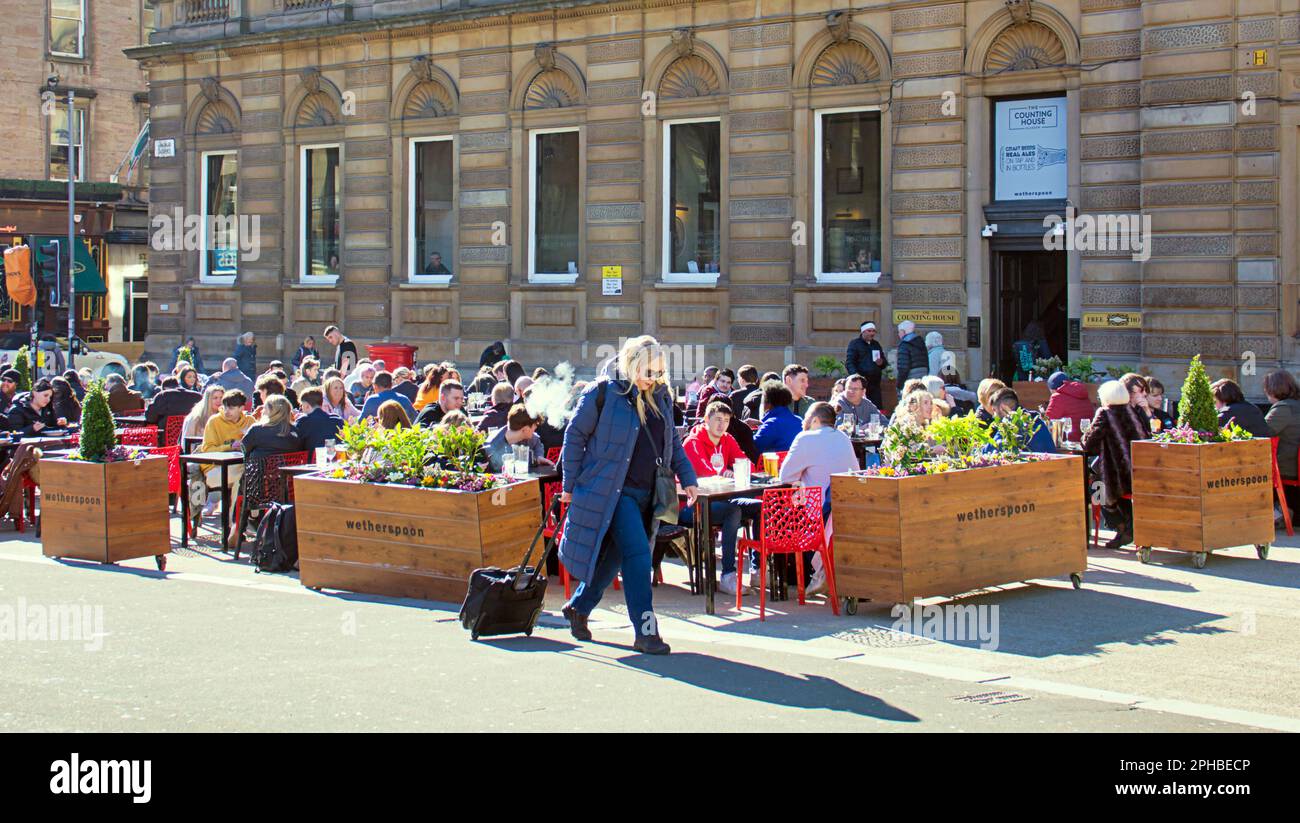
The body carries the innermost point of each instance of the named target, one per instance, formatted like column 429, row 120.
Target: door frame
column 998, row 248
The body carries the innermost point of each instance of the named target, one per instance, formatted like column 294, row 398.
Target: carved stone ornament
column 545, row 55
column 422, row 67
column 684, row 42
column 210, row 89
column 311, row 79
column 838, row 23
column 1021, row 10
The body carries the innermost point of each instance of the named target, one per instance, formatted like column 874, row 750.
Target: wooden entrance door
column 1027, row 286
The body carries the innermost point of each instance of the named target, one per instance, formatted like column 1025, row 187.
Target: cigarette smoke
column 551, row 396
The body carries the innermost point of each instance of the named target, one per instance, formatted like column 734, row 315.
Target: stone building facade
column 1182, row 110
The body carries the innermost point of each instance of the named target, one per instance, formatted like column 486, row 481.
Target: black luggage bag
column 507, row 601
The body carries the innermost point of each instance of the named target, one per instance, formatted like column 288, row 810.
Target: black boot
column 577, row 624
column 651, row 644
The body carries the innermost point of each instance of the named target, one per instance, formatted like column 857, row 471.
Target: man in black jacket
column 913, row 360
column 172, row 401
column 32, row 413
column 451, row 396
column 503, row 398
column 867, row 357
column 316, row 426
column 8, row 388
column 747, row 380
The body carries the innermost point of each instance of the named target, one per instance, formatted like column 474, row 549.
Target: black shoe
column 1119, row 540
column 577, row 624
column 651, row 644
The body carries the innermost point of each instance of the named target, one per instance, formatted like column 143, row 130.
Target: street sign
column 164, row 148
column 928, row 317
column 1112, row 320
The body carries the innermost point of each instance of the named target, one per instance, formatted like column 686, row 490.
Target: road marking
column 691, row 632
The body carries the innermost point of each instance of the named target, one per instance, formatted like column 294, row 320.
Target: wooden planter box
column 1198, row 498
column 402, row 541
column 105, row 511
column 900, row 538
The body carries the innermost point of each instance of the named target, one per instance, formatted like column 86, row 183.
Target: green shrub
column 97, row 436
column 827, row 366
column 1196, row 408
column 23, row 363
column 1080, row 369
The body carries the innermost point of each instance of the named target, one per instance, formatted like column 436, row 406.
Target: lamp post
column 72, row 234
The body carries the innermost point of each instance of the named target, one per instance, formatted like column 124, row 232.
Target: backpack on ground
column 275, row 547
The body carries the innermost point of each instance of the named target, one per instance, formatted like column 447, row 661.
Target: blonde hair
column 329, row 386
column 452, row 420
column 988, row 386
column 198, row 417
column 636, row 356
column 391, row 415
column 278, row 412
column 911, row 404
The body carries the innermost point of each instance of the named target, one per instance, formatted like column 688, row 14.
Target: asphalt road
column 210, row 645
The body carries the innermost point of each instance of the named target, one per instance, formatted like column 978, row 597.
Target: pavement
column 211, row 645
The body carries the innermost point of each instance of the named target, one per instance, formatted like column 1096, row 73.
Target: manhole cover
column 996, row 698
column 881, row 638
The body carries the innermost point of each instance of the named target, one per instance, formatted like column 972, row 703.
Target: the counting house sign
column 1030, row 154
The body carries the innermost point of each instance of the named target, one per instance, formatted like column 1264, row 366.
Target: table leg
column 185, row 506
column 225, row 509
column 705, row 538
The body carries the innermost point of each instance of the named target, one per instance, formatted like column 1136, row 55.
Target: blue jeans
column 728, row 514
column 626, row 549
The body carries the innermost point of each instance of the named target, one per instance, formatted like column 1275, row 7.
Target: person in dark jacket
column 65, row 401
column 1284, row 422
column 451, row 397
column 1233, row 408
column 1114, row 428
column 315, row 426
column 9, row 388
column 120, row 398
column 513, row 370
column 1069, row 401
column 275, row 433
column 780, row 426
column 747, row 381
column 33, row 412
column 619, row 433
column 913, row 357
column 492, row 355
column 196, row 359
column 246, row 354
column 503, row 398
column 1005, row 402
column 307, row 349
column 1156, row 406
column 74, row 380
column 867, row 357
column 172, row 401
column 345, row 351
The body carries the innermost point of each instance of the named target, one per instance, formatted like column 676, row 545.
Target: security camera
column 52, row 81
column 989, row 230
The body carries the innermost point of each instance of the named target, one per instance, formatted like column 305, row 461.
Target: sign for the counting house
column 1030, row 149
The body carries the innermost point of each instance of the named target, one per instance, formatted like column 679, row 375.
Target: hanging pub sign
column 1030, row 149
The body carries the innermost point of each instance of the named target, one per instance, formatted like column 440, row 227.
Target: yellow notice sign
column 928, row 317
column 1112, row 320
column 611, row 280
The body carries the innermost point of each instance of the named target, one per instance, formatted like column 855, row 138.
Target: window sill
column 842, row 278
column 552, row 279
column 704, row 278
column 317, row 282
column 218, row 282
column 428, row 281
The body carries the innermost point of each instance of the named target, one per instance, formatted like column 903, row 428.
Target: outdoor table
column 703, row 530
column 190, row 443
column 860, row 446
column 129, row 419
column 224, row 460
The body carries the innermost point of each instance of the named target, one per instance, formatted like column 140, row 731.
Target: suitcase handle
column 523, row 581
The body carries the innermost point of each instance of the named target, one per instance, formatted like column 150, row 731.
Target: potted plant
column 1199, row 487
column 1034, row 393
column 954, row 507
column 105, row 502
column 825, row 371
column 410, row 514
column 23, row 365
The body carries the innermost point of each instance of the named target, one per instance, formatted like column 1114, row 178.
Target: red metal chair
column 263, row 483
column 1096, row 522
column 1279, row 486
column 173, row 455
column 172, row 427
column 139, row 436
column 554, row 530
column 792, row 524
column 553, row 454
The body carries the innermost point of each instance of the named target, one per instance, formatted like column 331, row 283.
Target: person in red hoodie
column 713, row 453
column 1069, row 401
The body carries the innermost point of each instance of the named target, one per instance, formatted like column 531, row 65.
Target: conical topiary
column 1196, row 406
column 96, row 424
column 184, row 353
column 23, row 365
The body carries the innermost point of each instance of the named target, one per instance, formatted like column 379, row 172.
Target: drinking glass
column 331, row 448
column 742, row 470
column 716, row 462
column 1067, row 425
column 522, row 455
column 1084, row 425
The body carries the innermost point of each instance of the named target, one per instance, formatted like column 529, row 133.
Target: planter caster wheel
column 1262, row 550
column 1199, row 558
column 314, row 588
column 850, row 605
column 1077, row 580
column 1144, row 554
column 161, row 560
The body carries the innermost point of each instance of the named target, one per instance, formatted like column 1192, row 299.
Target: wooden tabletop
column 709, row 491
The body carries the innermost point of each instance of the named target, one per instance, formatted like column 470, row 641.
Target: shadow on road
column 755, row 683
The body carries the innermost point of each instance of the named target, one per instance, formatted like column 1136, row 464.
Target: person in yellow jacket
column 223, row 432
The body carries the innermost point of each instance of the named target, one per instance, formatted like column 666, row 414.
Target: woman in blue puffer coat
column 620, row 432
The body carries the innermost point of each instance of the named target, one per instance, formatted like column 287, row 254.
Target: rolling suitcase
column 507, row 601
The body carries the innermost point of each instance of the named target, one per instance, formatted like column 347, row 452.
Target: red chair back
column 173, row 455
column 792, row 520
column 554, row 522
column 553, row 454
column 172, row 428
column 139, row 436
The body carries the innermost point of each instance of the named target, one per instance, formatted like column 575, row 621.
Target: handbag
column 666, row 505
